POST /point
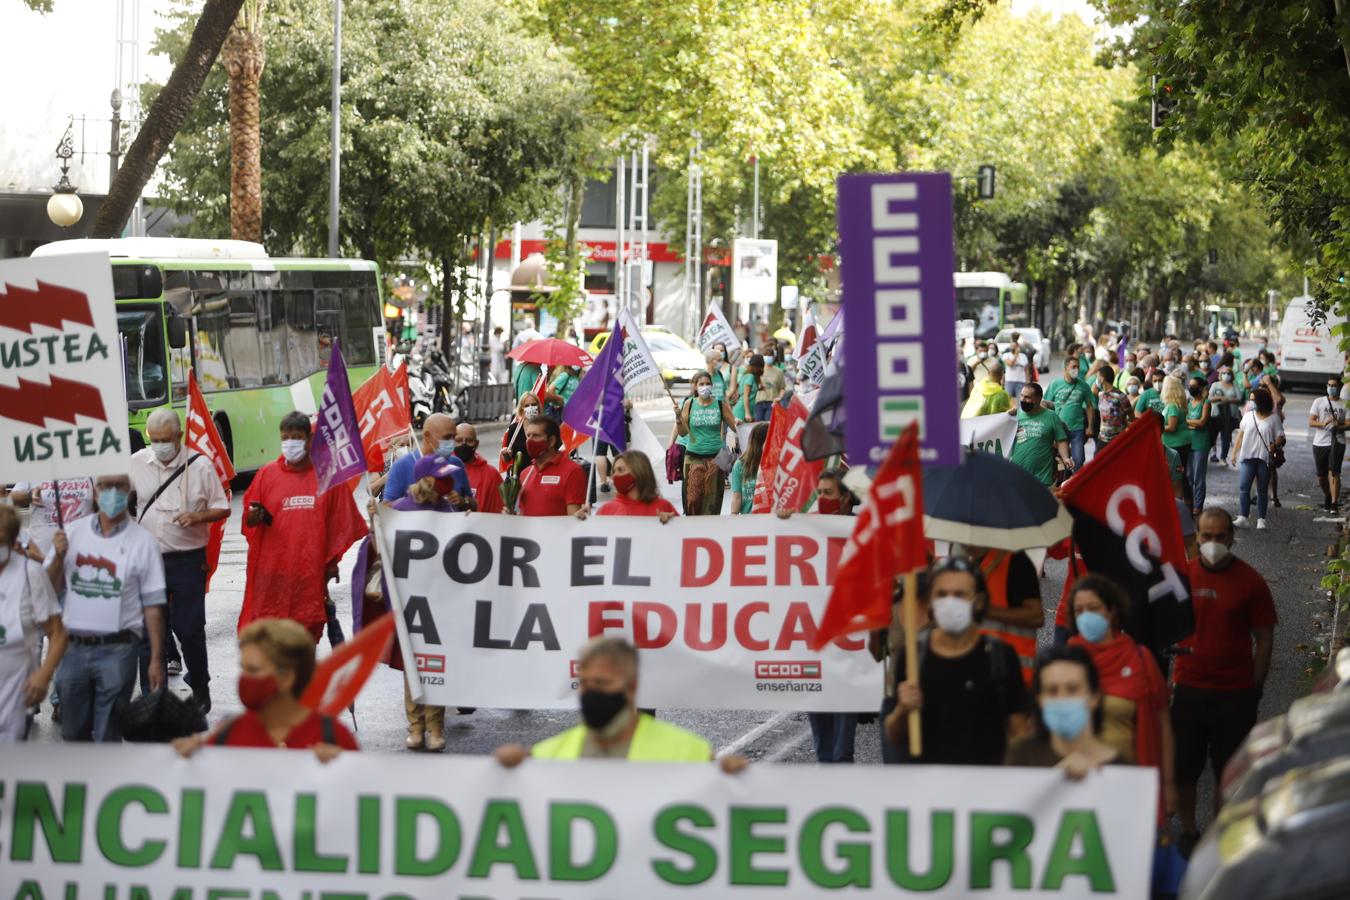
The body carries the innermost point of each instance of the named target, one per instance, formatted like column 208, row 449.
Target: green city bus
column 257, row 331
column 988, row 302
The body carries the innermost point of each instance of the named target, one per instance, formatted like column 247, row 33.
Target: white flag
column 716, row 329
column 638, row 365
column 640, row 437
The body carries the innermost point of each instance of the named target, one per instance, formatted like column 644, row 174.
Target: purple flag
column 336, row 449
column 596, row 407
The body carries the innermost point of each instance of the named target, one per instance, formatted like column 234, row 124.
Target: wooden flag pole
column 911, row 620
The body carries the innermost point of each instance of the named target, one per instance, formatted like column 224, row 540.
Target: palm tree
column 243, row 57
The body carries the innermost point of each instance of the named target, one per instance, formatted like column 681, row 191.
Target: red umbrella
column 551, row 352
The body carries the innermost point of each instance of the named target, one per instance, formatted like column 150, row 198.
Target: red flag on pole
column 382, row 412
column 200, row 436
column 769, row 460
column 887, row 541
column 794, row 477
column 339, row 677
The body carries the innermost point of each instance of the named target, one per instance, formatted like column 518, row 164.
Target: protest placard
column 992, row 434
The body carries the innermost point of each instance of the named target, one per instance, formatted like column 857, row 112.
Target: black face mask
column 598, row 708
column 1196, row 390
column 465, row 452
column 1028, row 406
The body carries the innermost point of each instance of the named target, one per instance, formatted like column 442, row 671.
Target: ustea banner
column 723, row 610
column 82, row 821
column 63, row 384
column 992, row 434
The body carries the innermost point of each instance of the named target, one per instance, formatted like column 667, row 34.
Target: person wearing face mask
column 28, row 612
column 1260, row 433
column 113, row 576
column 178, row 496
column 484, row 480
column 1217, row 685
column 1136, row 720
column 703, row 421
column 438, row 439
column 1151, row 398
column 295, row 535
column 611, row 726
column 1328, row 420
column 552, row 485
column 40, row 498
column 513, row 439
column 1114, row 409
column 1067, row 716
column 1225, row 405
column 970, row 693
column 747, row 387
column 276, row 662
column 1202, row 435
column 635, row 490
column 1071, row 399
column 1040, row 436
column 833, row 498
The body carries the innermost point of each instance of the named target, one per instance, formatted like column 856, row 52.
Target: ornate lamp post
column 65, row 207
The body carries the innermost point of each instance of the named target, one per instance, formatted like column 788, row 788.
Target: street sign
column 754, row 271
column 987, row 179
column 895, row 243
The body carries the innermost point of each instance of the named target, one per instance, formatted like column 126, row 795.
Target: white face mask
column 953, row 614
column 293, row 450
column 531, row 412
column 164, row 450
column 1214, row 552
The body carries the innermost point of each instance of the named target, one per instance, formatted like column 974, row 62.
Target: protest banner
column 992, row 434
column 63, row 403
column 493, row 609
column 82, row 821
column 638, row 363
column 717, row 330
column 382, row 410
column 787, row 479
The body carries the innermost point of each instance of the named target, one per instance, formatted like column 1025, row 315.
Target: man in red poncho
column 295, row 535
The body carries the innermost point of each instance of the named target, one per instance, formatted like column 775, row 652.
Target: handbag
column 674, row 462
column 1276, row 453
column 724, row 459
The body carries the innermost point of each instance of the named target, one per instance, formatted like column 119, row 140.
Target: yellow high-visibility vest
column 653, row 741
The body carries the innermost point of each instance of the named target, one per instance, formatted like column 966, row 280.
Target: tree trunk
column 166, row 116
column 571, row 255
column 243, row 57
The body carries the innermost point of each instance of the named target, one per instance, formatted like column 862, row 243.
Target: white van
column 1309, row 354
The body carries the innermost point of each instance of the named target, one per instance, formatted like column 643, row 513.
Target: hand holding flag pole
column 887, row 541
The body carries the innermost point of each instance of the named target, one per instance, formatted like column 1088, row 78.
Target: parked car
column 1031, row 337
column 677, row 360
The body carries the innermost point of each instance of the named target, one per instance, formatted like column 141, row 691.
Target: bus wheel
column 227, row 436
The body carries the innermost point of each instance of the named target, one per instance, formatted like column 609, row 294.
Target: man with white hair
column 178, row 496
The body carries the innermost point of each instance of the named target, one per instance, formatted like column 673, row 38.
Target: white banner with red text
column 723, row 609
column 140, row 822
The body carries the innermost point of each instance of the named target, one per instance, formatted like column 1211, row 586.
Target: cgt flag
column 716, row 329
column 339, row 678
column 382, row 410
column 336, row 449
column 887, row 541
column 200, row 436
column 1126, row 527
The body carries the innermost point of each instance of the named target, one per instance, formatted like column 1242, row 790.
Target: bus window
column 302, row 351
column 327, row 323
column 358, row 347
column 272, row 337
column 141, row 331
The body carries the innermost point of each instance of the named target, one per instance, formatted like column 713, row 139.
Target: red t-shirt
column 547, row 490
column 485, row 481
column 247, row 730
column 622, row 506
column 1229, row 605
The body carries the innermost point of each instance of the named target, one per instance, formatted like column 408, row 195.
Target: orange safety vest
column 995, row 566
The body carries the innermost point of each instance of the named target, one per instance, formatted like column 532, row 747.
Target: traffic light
column 986, row 182
column 1164, row 99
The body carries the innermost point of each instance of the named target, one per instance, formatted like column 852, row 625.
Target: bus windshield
column 142, row 337
column 980, row 304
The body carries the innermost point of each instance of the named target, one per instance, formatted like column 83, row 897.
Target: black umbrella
column 158, row 717
column 988, row 501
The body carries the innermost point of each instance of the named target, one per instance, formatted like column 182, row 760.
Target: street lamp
column 64, row 207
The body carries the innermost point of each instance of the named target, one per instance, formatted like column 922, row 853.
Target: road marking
column 788, row 746
column 753, row 735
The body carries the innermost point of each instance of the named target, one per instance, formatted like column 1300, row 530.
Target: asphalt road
column 1290, row 554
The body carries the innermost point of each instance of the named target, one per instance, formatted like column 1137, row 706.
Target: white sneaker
column 1240, row 521
column 1260, row 524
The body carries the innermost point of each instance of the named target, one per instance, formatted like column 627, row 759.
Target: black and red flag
column 1126, row 527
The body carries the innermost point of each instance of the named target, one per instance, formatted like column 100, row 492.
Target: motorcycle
column 421, row 397
column 440, row 382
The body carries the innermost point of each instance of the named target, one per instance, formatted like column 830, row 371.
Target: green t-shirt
column 1199, row 436
column 525, row 377
column 705, row 428
column 747, row 379
column 565, row 385
column 1071, row 401
column 1083, row 366
column 1182, row 436
column 719, row 385
column 1034, row 450
column 745, row 486
column 1149, row 399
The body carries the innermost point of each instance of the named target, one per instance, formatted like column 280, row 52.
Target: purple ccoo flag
column 596, row 406
column 336, row 449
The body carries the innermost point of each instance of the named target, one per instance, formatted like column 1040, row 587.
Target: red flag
column 571, row 438
column 794, row 477
column 200, row 436
column 341, row 675
column 769, row 460
column 887, row 541
column 383, row 412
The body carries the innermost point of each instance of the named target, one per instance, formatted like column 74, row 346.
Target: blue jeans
column 92, row 679
column 1198, row 473
column 832, row 733
column 1078, row 448
column 1253, row 470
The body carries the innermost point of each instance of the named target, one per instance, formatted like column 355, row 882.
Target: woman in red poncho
column 276, row 661
column 635, row 490
column 1135, row 698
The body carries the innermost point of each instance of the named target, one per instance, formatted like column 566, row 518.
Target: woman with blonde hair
column 513, row 440
column 1176, row 435
column 276, row 662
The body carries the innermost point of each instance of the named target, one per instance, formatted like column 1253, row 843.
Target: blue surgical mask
column 1093, row 626
column 1065, row 718
column 445, row 449
column 112, row 502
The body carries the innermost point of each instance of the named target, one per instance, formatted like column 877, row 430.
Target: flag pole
column 911, row 620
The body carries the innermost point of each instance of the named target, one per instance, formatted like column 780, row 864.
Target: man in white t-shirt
column 114, row 595
column 1327, row 419
column 77, row 501
column 1015, row 362
column 28, row 610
